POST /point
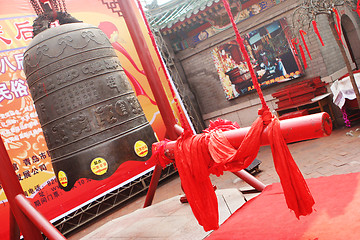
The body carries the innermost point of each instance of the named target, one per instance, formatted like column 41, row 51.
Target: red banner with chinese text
column 20, row 128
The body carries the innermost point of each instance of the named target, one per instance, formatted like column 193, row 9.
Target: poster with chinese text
column 20, row 128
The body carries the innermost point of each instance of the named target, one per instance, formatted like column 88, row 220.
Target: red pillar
column 129, row 12
column 14, row 228
column 153, row 185
column 38, row 219
column 12, row 188
column 250, row 179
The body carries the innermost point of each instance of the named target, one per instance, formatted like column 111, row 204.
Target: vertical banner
column 20, row 128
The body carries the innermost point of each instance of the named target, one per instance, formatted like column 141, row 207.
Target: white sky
column 163, row 1
column 160, row 2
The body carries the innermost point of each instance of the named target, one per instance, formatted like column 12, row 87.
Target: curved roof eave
column 167, row 15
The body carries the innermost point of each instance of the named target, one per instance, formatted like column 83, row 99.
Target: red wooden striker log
column 294, row 129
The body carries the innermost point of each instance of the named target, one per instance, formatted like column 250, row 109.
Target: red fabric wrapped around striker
column 198, row 156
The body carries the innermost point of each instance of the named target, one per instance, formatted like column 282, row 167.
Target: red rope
column 197, row 156
column 303, row 56
column 294, row 42
column 302, row 33
column 357, row 10
column 297, row 194
column 338, row 25
column 246, row 56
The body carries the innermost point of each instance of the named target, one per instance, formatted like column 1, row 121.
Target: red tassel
column 245, row 54
column 358, row 8
column 294, row 42
column 296, row 191
column 316, row 30
column 303, row 56
column 197, row 156
column 302, row 33
column 338, row 26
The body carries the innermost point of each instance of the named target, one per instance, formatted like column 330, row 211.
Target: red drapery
column 197, row 156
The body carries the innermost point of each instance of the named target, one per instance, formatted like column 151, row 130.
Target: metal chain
column 36, row 7
column 64, row 6
column 55, row 4
column 60, row 6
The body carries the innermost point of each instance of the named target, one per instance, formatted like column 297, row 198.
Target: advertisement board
column 20, row 127
column 270, row 55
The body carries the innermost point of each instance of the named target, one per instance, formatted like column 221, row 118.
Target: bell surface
column 91, row 118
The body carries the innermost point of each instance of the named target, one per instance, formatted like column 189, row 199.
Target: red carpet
column 266, row 217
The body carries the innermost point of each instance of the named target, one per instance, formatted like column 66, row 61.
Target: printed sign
column 141, row 149
column 270, row 56
column 99, row 166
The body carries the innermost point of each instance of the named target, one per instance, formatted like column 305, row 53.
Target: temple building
column 284, row 52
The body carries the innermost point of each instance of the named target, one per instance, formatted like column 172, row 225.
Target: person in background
column 280, row 69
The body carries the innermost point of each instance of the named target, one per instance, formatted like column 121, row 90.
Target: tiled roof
column 166, row 15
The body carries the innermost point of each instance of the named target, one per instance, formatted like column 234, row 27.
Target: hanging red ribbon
column 291, row 179
column 357, row 10
column 316, row 30
column 302, row 203
column 192, row 159
column 303, row 56
column 245, row 54
column 197, row 156
column 338, row 25
column 302, row 33
column 294, row 42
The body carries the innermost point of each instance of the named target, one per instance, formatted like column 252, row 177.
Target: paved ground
column 166, row 220
column 336, row 154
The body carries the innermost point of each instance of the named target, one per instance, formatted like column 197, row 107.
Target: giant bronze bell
column 90, row 116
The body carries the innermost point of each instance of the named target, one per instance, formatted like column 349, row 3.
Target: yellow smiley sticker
column 62, row 178
column 141, row 149
column 99, row 166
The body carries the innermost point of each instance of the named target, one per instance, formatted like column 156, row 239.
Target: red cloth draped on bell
column 198, row 156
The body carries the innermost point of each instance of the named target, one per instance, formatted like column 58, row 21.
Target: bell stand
column 129, row 11
column 24, row 217
column 303, row 128
column 31, row 223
